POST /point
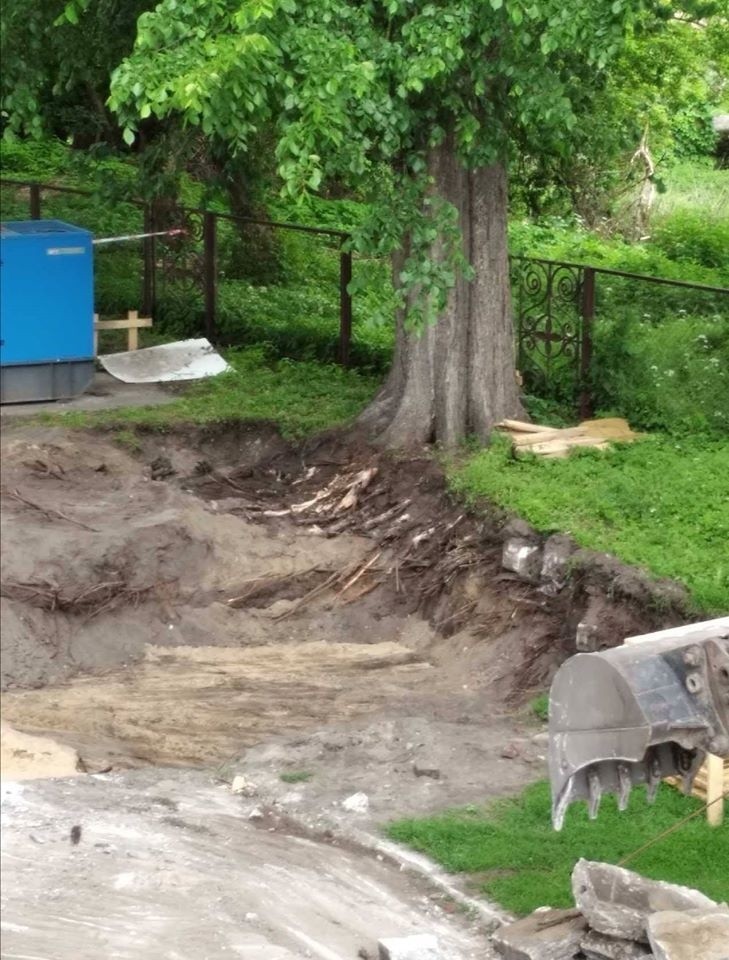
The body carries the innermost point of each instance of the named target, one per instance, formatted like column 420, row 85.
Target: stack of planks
column 556, row 442
column 711, row 785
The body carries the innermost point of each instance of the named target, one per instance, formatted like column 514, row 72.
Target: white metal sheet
column 183, row 360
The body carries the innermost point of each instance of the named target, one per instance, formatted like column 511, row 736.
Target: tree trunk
column 456, row 378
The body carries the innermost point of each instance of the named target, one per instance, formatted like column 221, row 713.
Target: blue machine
column 46, row 310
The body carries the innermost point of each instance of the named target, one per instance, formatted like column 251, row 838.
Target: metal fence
column 191, row 259
column 556, row 304
column 556, row 307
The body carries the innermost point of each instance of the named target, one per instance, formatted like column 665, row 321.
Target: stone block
column 556, row 558
column 690, row 934
column 618, row 902
column 545, row 934
column 522, row 557
column 596, row 946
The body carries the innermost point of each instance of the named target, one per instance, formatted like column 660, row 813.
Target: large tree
column 416, row 104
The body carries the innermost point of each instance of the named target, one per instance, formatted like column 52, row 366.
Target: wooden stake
column 714, row 789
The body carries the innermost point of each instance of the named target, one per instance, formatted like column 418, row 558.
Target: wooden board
column 557, row 442
column 131, row 323
column 710, row 784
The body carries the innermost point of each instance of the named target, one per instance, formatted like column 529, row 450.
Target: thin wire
column 675, row 826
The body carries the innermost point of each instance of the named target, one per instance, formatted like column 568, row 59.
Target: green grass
column 512, row 854
column 297, row 776
column 540, row 706
column 661, row 503
column 302, row 398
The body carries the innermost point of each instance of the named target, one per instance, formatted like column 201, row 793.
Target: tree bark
column 456, row 378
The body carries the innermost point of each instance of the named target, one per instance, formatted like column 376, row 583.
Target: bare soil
column 255, row 589
column 319, row 620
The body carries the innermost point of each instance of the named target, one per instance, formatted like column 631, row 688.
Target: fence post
column 210, row 272
column 345, row 306
column 149, row 255
column 35, row 201
column 587, row 309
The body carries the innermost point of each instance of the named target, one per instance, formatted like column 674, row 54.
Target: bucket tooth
column 625, row 785
column 594, row 787
column 690, row 764
column 560, row 804
column 653, row 776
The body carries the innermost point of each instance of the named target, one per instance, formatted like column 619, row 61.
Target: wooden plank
column 560, row 446
column 124, row 324
column 714, row 789
column 526, row 439
column 521, row 426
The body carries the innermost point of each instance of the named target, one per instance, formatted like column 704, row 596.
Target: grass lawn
column 302, row 398
column 661, row 503
column 510, row 852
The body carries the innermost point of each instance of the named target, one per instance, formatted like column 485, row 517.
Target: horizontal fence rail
column 556, row 306
column 556, row 303
column 195, row 259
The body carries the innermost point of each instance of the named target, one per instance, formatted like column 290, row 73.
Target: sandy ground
column 168, row 866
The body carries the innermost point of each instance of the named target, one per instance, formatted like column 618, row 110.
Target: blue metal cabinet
column 46, row 310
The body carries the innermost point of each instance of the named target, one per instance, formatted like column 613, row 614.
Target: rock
column 419, row 946
column 421, row 769
column 556, row 558
column 618, row 902
column 522, row 557
column 510, row 751
column 541, row 739
column 545, row 934
column 256, row 814
column 161, row 468
column 587, row 637
column 690, row 934
column 596, row 946
column 243, row 786
column 357, row 803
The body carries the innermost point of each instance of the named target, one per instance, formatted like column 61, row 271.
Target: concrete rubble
column 420, row 946
column 620, row 915
column 618, row 902
column 685, row 935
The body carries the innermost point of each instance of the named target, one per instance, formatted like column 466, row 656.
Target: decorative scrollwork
column 549, row 325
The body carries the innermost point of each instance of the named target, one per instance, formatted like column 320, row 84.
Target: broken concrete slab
column 419, row 946
column 597, row 946
column 546, row 934
column 558, row 550
column 522, row 557
column 618, row 902
column 690, row 934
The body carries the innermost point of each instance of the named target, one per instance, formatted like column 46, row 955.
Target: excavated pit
column 181, row 601
column 263, row 631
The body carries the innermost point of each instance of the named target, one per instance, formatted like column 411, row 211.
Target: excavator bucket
column 637, row 713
